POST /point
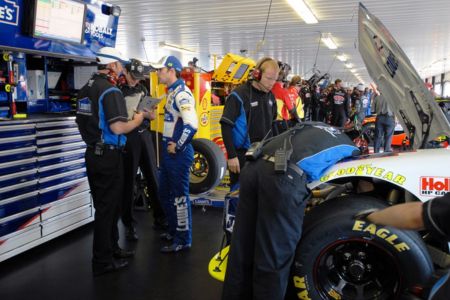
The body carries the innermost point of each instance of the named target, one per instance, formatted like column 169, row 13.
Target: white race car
column 339, row 257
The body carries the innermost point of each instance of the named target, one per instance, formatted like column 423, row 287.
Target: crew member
column 248, row 115
column 338, row 100
column 273, row 196
column 294, row 95
column 432, row 215
column 286, row 108
column 180, row 126
column 306, row 97
column 384, row 124
column 139, row 152
column 102, row 121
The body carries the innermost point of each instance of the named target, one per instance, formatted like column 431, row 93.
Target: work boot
column 131, row 234
column 122, row 253
column 166, row 236
column 160, row 224
column 175, row 248
column 98, row 270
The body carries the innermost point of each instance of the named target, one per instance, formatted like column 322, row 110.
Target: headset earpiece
column 257, row 72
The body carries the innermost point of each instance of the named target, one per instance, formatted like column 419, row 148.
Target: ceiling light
column 174, row 47
column 342, row 57
column 353, row 70
column 327, row 39
column 349, row 65
column 302, row 9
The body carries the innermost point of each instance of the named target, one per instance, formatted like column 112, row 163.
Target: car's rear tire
column 339, row 257
column 208, row 168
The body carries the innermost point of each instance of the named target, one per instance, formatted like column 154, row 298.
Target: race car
column 339, row 257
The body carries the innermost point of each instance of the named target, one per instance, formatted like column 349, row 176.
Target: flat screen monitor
column 61, row 20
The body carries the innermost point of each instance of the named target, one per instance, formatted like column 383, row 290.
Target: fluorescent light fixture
column 353, row 70
column 327, row 39
column 175, row 47
column 342, row 57
column 349, row 65
column 303, row 10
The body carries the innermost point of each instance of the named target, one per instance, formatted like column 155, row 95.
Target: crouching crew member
column 102, row 121
column 273, row 196
column 180, row 125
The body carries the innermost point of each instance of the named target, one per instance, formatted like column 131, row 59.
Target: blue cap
column 169, row 62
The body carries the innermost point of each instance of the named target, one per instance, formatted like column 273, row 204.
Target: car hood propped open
column 399, row 82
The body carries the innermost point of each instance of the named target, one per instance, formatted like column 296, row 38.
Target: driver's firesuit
column 180, row 125
column 271, row 208
column 338, row 100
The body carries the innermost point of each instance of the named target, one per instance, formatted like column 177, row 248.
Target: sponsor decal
column 182, row 213
column 202, row 201
column 9, row 12
column 366, row 170
column 204, row 103
column 98, row 31
column 204, row 119
column 300, row 283
column 389, row 59
column 434, row 186
column 382, row 233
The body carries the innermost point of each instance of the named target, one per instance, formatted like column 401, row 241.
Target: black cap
column 135, row 68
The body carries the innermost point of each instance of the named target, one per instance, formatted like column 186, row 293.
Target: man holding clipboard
column 139, row 149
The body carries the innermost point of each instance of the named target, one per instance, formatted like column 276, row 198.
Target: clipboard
column 148, row 103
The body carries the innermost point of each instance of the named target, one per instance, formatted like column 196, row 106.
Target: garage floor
column 61, row 269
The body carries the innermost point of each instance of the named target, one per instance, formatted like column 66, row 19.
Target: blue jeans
column 384, row 126
column 174, row 192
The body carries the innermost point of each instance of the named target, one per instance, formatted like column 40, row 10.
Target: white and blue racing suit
column 180, row 125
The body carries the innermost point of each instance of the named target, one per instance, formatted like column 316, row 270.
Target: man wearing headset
column 103, row 123
column 139, row 152
column 248, row 115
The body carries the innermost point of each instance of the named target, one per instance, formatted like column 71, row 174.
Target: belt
column 291, row 166
column 107, row 147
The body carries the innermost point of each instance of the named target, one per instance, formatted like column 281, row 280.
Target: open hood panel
column 399, row 82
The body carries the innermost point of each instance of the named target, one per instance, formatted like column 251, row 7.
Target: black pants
column 105, row 176
column 140, row 152
column 268, row 227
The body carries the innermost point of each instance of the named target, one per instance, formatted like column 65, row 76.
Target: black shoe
column 131, row 234
column 175, row 248
column 122, row 253
column 166, row 236
column 112, row 267
column 160, row 224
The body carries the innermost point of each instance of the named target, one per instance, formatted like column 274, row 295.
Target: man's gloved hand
column 363, row 214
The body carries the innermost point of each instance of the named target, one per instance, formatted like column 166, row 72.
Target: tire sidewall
column 405, row 247
column 216, row 165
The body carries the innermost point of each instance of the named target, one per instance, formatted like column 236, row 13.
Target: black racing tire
column 208, row 168
column 340, row 205
column 343, row 258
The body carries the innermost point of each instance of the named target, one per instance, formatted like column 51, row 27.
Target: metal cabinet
column 44, row 190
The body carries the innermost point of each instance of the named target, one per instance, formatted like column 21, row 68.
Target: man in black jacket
column 139, row 152
column 248, row 115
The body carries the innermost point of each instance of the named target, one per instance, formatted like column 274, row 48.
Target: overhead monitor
column 61, row 20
